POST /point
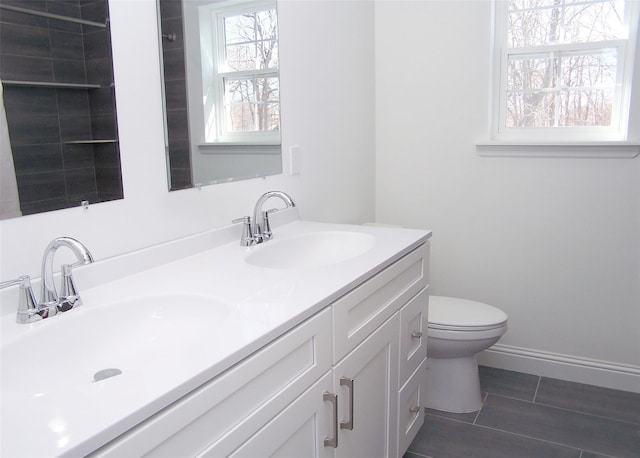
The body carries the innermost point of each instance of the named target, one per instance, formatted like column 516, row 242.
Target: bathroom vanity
column 309, row 345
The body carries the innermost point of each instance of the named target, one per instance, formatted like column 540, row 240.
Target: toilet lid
column 462, row 314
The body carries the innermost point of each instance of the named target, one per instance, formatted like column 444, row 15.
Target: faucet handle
column 246, row 238
column 266, row 227
column 27, row 304
column 69, row 297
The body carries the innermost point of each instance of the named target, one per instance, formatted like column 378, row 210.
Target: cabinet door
column 411, row 404
column 373, row 369
column 413, row 334
column 298, row 431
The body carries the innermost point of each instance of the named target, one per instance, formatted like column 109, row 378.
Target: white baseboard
column 563, row 367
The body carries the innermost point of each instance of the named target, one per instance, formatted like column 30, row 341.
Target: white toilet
column 458, row 329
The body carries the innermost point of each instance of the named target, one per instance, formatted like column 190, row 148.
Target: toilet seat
column 454, row 314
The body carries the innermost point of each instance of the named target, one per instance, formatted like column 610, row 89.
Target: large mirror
column 221, row 90
column 58, row 131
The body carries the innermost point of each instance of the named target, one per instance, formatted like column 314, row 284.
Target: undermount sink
column 311, row 250
column 84, row 348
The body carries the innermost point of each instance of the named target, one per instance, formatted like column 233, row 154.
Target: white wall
column 553, row 242
column 329, row 117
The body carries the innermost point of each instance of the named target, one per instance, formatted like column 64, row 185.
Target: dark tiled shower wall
column 176, row 94
column 51, row 172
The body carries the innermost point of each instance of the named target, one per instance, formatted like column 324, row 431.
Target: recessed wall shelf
column 51, row 85
column 90, row 142
column 59, row 17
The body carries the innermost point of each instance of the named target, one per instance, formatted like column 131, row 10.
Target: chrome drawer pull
column 333, row 399
column 348, row 382
column 415, row 409
column 416, row 334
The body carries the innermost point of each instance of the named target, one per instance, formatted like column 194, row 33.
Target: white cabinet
column 365, row 386
column 413, row 334
column 411, row 403
column 360, row 312
column 222, row 414
column 366, row 382
column 396, row 301
column 298, row 431
column 412, row 373
column 353, row 374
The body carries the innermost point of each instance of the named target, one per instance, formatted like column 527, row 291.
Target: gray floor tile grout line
column 548, row 401
column 524, row 435
column 514, row 434
column 587, row 413
column 419, row 454
column 449, row 418
column 550, row 406
column 535, row 397
column 604, row 417
column 529, row 437
column 484, row 398
column 535, row 394
column 604, row 455
column 510, row 397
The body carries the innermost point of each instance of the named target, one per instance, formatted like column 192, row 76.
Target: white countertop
column 260, row 305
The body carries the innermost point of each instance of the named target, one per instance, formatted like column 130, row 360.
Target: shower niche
column 57, row 85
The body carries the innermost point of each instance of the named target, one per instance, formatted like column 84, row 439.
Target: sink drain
column 106, row 373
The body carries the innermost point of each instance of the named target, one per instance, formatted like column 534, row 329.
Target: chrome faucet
column 29, row 310
column 258, row 230
column 261, row 229
column 69, row 297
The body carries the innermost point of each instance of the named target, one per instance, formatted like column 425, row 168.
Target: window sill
column 239, row 148
column 596, row 149
column 241, row 143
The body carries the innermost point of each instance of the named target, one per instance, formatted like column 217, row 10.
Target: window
column 241, row 96
column 565, row 69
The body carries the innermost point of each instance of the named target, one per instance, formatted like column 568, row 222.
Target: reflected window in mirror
column 240, row 73
column 221, row 90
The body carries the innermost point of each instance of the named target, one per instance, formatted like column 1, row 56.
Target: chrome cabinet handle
column 415, row 409
column 348, row 424
column 333, row 399
column 416, row 334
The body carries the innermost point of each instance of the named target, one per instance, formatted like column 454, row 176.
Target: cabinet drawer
column 224, row 412
column 411, row 405
column 297, row 431
column 357, row 314
column 413, row 334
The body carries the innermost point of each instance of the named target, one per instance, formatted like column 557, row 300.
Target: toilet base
column 453, row 384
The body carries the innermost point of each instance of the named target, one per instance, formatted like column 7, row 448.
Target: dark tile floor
column 526, row 416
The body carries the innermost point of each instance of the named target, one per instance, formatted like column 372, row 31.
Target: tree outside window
column 565, row 64
column 242, row 101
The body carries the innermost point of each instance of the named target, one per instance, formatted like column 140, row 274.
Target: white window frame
column 600, row 137
column 212, row 17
